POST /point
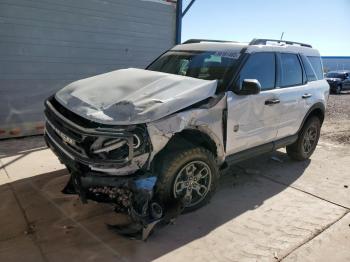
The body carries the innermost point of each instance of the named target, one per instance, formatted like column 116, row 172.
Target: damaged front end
column 109, row 148
column 106, row 164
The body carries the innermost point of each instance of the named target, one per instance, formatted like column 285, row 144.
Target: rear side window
column 292, row 73
column 260, row 66
column 317, row 66
column 310, row 72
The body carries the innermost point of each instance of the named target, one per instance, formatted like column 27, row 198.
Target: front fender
column 205, row 120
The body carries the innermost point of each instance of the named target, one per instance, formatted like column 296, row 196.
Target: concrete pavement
column 264, row 210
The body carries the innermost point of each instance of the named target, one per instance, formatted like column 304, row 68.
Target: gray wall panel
column 336, row 63
column 46, row 44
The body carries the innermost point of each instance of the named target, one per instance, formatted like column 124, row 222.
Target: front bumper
column 72, row 158
column 72, row 142
column 92, row 178
column 98, row 186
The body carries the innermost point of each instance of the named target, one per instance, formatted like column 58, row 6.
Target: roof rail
column 257, row 41
column 193, row 41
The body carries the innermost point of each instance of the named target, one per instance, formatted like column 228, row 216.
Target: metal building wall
column 331, row 63
column 46, row 44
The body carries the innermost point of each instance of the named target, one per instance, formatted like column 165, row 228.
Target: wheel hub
column 193, row 182
column 309, row 139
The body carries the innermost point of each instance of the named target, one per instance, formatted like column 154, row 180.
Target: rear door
column 291, row 87
column 251, row 120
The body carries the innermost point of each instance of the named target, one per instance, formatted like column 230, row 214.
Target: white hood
column 133, row 96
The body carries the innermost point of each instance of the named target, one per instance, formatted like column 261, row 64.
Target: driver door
column 252, row 120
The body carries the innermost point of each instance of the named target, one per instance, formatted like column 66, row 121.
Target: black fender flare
column 314, row 109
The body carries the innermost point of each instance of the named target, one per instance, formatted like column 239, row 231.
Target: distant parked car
column 338, row 81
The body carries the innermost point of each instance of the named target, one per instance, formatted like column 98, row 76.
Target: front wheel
column 307, row 140
column 189, row 174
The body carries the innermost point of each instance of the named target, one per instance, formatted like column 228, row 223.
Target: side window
column 310, row 72
column 292, row 73
column 260, row 66
column 317, row 66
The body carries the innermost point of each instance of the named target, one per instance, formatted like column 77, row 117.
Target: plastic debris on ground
column 146, row 212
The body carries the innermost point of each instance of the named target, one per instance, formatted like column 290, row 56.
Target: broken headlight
column 117, row 148
column 137, row 141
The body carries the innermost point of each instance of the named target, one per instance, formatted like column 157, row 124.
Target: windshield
column 202, row 65
column 335, row 75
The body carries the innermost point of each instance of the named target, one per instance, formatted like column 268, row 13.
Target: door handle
column 306, row 96
column 272, row 101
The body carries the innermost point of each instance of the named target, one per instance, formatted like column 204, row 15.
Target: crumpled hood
column 133, row 96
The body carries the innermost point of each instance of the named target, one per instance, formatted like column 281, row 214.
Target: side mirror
column 250, row 87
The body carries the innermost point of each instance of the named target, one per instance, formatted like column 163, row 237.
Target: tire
column 174, row 181
column 338, row 89
column 307, row 140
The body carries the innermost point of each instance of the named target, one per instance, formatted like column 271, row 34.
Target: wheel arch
column 317, row 110
column 191, row 137
column 195, row 137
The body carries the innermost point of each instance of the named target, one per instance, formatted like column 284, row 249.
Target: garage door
column 46, row 44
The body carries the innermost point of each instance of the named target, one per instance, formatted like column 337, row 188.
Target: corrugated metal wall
column 45, row 44
column 331, row 63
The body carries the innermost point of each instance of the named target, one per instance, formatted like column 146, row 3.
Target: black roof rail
column 193, row 41
column 257, row 41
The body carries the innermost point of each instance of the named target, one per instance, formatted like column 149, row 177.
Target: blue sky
column 323, row 24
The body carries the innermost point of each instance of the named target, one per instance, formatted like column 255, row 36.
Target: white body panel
column 294, row 104
column 133, row 96
column 249, row 121
column 290, row 110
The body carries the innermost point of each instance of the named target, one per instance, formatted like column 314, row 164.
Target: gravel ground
column 336, row 126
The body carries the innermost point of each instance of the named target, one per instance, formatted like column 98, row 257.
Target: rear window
column 317, row 66
column 292, row 73
column 310, row 72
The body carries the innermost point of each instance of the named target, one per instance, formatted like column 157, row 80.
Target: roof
column 307, row 51
column 254, row 46
column 211, row 46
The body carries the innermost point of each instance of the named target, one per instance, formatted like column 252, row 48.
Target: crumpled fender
column 205, row 120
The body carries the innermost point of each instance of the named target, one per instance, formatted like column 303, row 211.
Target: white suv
column 168, row 130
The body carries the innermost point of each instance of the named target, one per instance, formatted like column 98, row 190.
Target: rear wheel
column 307, row 140
column 189, row 174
